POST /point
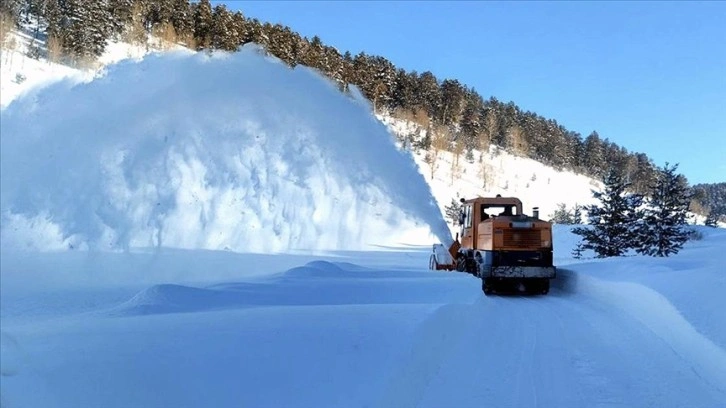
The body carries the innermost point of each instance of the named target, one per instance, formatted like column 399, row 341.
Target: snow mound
column 325, row 269
column 170, row 298
column 664, row 320
column 317, row 283
column 222, row 151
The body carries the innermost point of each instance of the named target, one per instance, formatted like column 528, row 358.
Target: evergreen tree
column 347, row 72
column 53, row 17
column 284, row 44
column 644, row 173
column 202, row 13
column 86, row 29
column 121, row 15
column 429, row 92
column 334, row 64
column 471, row 120
column 614, row 223
column 577, row 214
column 711, row 220
column 711, row 197
column 561, row 215
column 382, row 83
column 594, row 155
column 453, row 211
column 312, row 55
column 452, row 100
column 404, row 94
column 663, row 232
column 182, row 20
column 222, row 33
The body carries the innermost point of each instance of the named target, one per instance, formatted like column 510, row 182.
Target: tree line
column 78, row 30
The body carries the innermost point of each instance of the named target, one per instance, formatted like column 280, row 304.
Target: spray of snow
column 223, row 151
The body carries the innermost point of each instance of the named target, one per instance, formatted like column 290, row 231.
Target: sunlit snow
column 232, row 151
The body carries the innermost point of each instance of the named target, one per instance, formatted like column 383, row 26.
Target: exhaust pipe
column 535, row 212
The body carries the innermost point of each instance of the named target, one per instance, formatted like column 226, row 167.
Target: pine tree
column 453, row 211
column 404, row 94
column 183, row 21
column 427, row 87
column 452, row 101
column 334, row 64
column 711, row 219
column 594, row 155
column 99, row 27
column 711, row 197
column 222, row 34
column 577, row 214
column 614, row 223
column 347, row 71
column 561, row 215
column 284, row 45
column 121, row 15
column 202, row 17
column 471, row 120
column 87, row 29
column 663, row 232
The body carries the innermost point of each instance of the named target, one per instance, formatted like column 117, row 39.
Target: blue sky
column 650, row 76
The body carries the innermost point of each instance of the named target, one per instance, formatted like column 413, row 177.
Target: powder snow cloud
column 222, row 151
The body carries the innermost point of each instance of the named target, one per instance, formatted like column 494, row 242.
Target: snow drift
column 222, row 151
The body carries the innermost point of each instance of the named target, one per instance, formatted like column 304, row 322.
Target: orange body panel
column 503, row 232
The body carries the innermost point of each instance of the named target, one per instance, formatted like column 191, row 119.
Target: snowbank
column 228, row 151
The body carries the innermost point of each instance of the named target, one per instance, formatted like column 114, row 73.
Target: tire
column 487, row 289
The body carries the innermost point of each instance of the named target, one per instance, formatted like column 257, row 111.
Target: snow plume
column 222, row 151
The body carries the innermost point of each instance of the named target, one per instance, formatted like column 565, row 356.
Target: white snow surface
column 188, row 328
column 132, row 205
column 229, row 151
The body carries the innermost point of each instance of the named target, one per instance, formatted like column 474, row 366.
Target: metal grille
column 522, row 238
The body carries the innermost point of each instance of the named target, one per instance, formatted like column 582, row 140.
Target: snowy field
column 188, row 231
column 359, row 329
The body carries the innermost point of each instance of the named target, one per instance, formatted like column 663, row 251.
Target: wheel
column 487, row 289
column 546, row 287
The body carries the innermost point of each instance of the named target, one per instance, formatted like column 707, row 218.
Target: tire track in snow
column 526, row 389
column 568, row 346
column 502, row 355
column 435, row 340
column 578, row 323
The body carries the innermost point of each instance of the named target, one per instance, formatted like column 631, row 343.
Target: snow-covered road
column 333, row 333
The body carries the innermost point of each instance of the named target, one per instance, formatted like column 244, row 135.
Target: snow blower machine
column 508, row 250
